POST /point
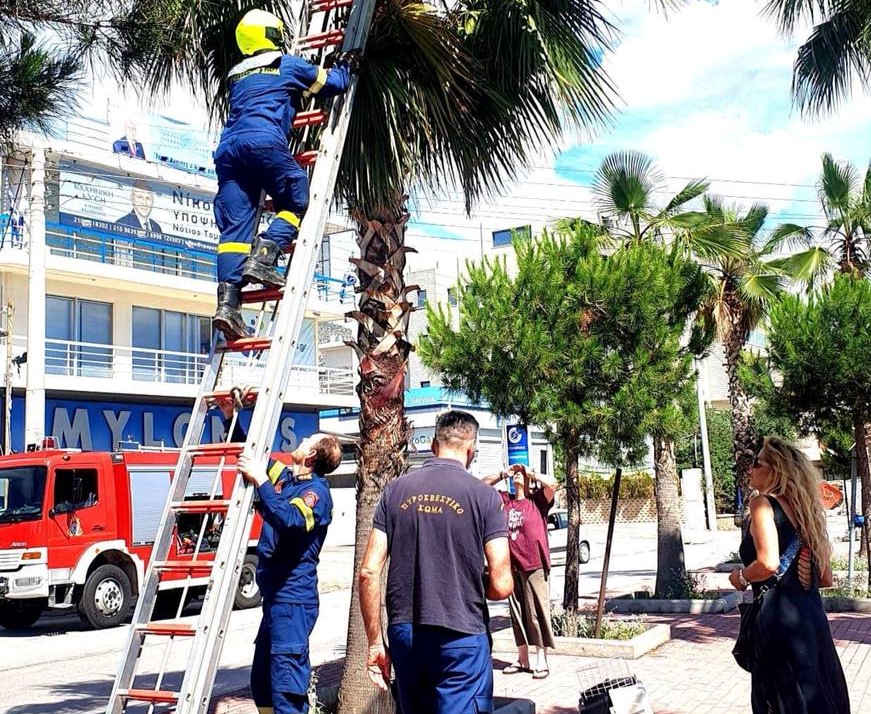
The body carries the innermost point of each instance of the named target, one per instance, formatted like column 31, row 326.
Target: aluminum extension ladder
column 276, row 335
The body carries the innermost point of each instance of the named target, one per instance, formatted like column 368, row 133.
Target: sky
column 704, row 91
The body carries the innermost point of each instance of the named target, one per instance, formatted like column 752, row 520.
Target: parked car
column 557, row 532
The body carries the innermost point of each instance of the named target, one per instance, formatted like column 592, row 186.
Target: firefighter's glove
column 352, row 59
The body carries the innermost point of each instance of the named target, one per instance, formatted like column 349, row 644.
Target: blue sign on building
column 517, row 437
column 102, row 426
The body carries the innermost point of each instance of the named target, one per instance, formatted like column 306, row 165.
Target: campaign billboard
column 517, row 437
column 135, row 209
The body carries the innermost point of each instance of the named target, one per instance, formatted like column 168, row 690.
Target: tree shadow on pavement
column 91, row 697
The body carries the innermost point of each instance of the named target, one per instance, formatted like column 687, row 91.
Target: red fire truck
column 77, row 529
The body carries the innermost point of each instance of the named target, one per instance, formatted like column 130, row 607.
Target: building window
column 542, row 467
column 421, row 298
column 74, row 331
column 322, row 269
column 504, row 237
column 169, row 346
column 452, row 297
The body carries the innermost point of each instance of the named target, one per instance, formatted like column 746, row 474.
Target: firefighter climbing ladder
column 276, row 334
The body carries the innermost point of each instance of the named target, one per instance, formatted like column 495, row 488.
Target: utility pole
column 34, row 403
column 706, row 452
column 9, row 311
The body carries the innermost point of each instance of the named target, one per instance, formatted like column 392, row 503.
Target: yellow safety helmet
column 259, row 31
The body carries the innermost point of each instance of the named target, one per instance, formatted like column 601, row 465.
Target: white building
column 111, row 284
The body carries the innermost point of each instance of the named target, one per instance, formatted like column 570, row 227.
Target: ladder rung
column 327, row 5
column 311, row 118
column 220, row 449
column 209, row 506
column 158, row 696
column 184, row 566
column 246, row 344
column 323, row 39
column 306, row 158
column 170, row 629
column 262, row 295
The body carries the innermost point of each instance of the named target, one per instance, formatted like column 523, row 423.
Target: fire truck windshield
column 21, row 493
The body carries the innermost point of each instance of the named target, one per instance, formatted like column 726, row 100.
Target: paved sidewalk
column 694, row 673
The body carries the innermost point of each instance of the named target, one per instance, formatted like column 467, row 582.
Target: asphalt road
column 59, row 668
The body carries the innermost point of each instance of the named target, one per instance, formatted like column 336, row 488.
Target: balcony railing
column 114, row 362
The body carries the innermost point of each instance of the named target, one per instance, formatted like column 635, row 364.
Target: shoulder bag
column 743, row 649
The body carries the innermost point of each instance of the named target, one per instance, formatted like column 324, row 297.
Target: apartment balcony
column 98, row 369
column 93, row 257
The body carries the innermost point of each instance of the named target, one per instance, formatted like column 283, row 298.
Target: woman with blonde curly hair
column 793, row 663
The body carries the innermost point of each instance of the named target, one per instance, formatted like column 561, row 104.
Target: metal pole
column 706, row 453
column 7, row 394
column 600, row 607
column 34, row 404
column 852, row 519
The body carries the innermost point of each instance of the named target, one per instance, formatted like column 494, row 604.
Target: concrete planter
column 726, row 602
column 728, row 566
column 638, row 646
column 847, row 604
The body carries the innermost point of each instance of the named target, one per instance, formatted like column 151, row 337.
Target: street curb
column 847, row 604
column 638, row 646
column 725, row 603
column 727, row 567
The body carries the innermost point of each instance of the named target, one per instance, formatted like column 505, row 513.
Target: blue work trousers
column 246, row 166
column 281, row 669
column 441, row 671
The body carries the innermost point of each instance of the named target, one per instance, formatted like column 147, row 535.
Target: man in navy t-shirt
column 439, row 526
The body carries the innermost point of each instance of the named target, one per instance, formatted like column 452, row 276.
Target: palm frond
column 806, row 266
column 625, row 183
column 832, row 57
column 37, row 85
column 691, row 191
column 788, row 235
column 837, row 183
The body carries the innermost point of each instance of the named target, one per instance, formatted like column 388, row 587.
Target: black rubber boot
column 260, row 266
column 228, row 318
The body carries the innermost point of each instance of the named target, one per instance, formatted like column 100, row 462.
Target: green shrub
column 685, row 586
column 613, row 628
column 839, row 563
column 635, row 485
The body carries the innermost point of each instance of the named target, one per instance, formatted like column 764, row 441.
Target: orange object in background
column 830, row 495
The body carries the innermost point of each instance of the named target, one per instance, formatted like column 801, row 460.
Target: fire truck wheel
column 106, row 597
column 19, row 615
column 247, row 594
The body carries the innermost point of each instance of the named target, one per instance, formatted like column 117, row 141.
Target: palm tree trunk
column 741, row 413
column 670, row 564
column 570, row 591
column 382, row 348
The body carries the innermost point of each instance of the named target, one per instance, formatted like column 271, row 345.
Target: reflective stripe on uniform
column 291, row 218
column 275, row 471
column 262, row 60
column 319, row 82
column 307, row 512
column 234, row 247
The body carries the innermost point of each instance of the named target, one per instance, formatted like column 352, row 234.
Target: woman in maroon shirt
column 529, row 604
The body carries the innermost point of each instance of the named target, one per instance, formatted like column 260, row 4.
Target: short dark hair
column 328, row 455
column 455, row 427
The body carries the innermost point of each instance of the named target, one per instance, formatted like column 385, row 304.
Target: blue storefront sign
column 517, row 437
column 103, row 425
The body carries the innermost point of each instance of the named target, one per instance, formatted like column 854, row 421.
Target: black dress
column 795, row 667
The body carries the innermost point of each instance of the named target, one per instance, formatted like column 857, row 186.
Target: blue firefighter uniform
column 296, row 512
column 266, row 91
